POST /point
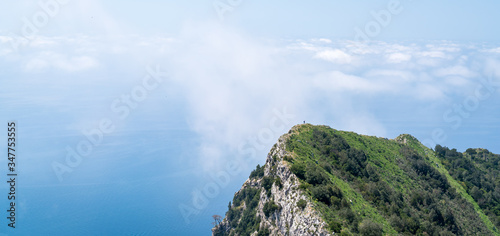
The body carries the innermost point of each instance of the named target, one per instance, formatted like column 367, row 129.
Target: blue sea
column 132, row 183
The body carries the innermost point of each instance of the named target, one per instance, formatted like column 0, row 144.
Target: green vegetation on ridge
column 365, row 185
column 477, row 170
column 390, row 184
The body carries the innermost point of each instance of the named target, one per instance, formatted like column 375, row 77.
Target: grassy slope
column 359, row 205
column 384, row 155
column 455, row 184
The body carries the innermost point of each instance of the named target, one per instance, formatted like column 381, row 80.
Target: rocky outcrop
column 322, row 181
column 288, row 218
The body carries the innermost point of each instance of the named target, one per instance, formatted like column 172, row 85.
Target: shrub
column 247, row 195
column 315, row 176
column 304, row 186
column 288, row 158
column 322, row 193
column 345, row 204
column 302, row 204
column 370, row 228
column 471, row 151
column 263, row 232
column 269, row 208
column 348, row 214
column 335, row 201
column 299, row 169
column 327, row 166
column 267, row 183
column 258, row 172
column 335, row 226
column 278, row 183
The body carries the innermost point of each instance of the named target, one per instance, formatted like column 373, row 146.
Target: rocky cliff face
column 321, row 181
column 287, row 218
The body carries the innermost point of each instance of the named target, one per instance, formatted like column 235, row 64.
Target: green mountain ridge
column 322, row 181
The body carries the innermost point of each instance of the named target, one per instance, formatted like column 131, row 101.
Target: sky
column 145, row 118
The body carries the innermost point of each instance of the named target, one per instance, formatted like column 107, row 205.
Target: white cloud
column 492, row 69
column 433, row 54
column 461, row 71
column 398, row 48
column 398, row 58
column 427, row 91
column 340, row 82
column 322, row 40
column 444, row 47
column 5, row 39
column 227, row 90
column 36, row 64
column 457, row 81
column 58, row 61
column 230, row 83
column 5, row 51
column 493, row 50
column 77, row 63
column 403, row 75
column 362, row 86
column 42, row 42
column 334, row 55
column 358, row 48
